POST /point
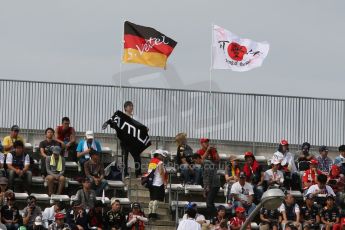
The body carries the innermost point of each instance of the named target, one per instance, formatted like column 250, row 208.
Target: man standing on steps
column 128, row 107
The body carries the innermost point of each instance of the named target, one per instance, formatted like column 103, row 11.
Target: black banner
column 132, row 133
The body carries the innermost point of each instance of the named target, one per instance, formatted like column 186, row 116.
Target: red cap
column 314, row 161
column 203, row 140
column 240, row 209
column 248, row 154
column 59, row 215
column 284, row 142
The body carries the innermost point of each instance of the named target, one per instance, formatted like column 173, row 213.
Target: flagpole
column 122, row 48
column 210, row 119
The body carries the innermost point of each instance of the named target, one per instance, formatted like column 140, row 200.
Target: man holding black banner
column 132, row 134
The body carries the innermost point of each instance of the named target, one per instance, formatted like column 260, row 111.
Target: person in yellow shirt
column 8, row 141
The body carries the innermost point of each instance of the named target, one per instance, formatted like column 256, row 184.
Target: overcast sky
column 80, row 41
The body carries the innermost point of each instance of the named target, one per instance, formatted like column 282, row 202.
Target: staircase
column 141, row 194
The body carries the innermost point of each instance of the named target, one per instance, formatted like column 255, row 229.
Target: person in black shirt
column 330, row 214
column 184, row 159
column 76, row 217
column 269, row 219
column 310, row 214
column 10, row 213
column 46, row 148
column 114, row 218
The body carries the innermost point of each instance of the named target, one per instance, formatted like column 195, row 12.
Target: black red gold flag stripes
column 145, row 45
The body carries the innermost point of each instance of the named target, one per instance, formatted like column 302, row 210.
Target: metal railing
column 220, row 116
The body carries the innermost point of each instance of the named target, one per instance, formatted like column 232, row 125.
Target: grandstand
column 237, row 124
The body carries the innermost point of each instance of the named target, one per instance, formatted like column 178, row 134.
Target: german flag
column 145, row 45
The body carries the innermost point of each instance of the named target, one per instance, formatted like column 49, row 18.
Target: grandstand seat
column 63, row 198
column 28, row 146
column 116, row 184
column 21, row 195
column 200, row 205
column 73, row 182
column 225, row 157
column 71, row 165
column 296, row 194
column 37, row 180
column 171, row 170
column 41, row 197
column 106, row 150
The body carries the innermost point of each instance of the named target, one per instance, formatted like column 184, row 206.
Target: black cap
column 330, row 197
column 99, row 204
column 323, row 148
column 135, row 205
column 15, row 128
column 242, row 175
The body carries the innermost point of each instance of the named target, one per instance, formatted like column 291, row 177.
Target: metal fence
column 220, row 116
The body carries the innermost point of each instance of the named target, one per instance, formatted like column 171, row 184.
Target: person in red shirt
column 335, row 179
column 310, row 175
column 206, row 151
column 237, row 221
column 254, row 174
column 65, row 134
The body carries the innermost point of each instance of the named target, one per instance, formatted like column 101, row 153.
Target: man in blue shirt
column 85, row 146
column 340, row 160
column 325, row 162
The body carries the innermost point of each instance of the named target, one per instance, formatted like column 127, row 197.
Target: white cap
column 89, row 134
column 275, row 161
column 161, row 152
column 38, row 220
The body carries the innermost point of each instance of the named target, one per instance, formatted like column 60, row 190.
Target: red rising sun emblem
column 236, row 51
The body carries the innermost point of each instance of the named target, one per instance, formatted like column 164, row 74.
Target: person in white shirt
column 288, row 166
column 198, row 217
column 190, row 222
column 243, row 194
column 273, row 176
column 48, row 215
column 159, row 181
column 320, row 189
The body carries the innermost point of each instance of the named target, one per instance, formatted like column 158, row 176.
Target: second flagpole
column 210, row 117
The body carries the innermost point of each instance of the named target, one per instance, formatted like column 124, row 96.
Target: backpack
column 147, row 179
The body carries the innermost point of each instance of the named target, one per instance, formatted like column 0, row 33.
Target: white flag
column 231, row 52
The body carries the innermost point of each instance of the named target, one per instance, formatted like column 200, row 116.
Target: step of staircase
column 161, row 211
column 160, row 222
column 161, row 227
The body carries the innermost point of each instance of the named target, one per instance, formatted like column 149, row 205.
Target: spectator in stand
column 208, row 152
column 30, row 212
column 184, row 160
column 136, row 218
column 237, row 221
column 94, row 170
column 55, row 166
column 38, row 224
column 254, row 174
column 8, row 141
column 304, row 155
column 48, row 215
column 190, row 222
column 274, row 177
column 95, row 216
column 128, row 110
column 18, row 164
column 198, row 217
column 320, row 190
column 211, row 182
column 288, row 167
column 115, row 219
column 66, row 134
column 76, row 217
column 290, row 212
column 243, row 194
column 310, row 175
column 330, row 215
column 340, row 160
column 232, row 172
column 59, row 222
column 86, row 196
column 336, row 179
column 310, row 216
column 10, row 213
column 220, row 217
column 325, row 162
column 86, row 146
column 3, row 190
column 159, row 181
column 46, row 148
column 270, row 219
